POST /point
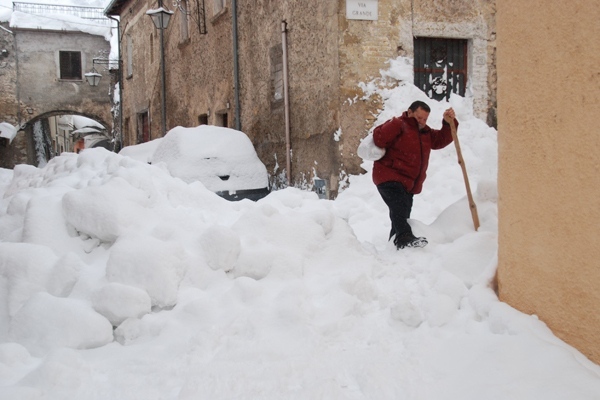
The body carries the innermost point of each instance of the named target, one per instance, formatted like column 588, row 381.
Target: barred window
column 441, row 66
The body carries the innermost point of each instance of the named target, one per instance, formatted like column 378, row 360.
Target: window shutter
column 70, row 65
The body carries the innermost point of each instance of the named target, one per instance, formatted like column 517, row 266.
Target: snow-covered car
column 223, row 159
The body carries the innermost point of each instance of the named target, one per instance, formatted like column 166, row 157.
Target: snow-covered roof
column 86, row 132
column 80, row 122
column 114, row 7
column 58, row 22
column 7, row 131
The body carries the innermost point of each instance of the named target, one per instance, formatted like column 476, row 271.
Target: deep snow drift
column 290, row 297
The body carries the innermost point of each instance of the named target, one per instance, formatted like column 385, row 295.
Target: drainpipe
column 163, row 109
column 120, row 75
column 236, row 73
column 286, row 102
column 18, row 87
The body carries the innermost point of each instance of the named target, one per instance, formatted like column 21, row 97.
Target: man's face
column 420, row 115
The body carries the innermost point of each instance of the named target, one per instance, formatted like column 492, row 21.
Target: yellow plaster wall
column 549, row 164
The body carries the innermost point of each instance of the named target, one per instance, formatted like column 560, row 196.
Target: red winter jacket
column 407, row 151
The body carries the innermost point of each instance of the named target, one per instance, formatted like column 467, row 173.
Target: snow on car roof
column 223, row 159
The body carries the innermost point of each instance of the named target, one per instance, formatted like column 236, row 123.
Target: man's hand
column 449, row 115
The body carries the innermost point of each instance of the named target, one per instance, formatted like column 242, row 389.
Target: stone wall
column 198, row 73
column 367, row 46
column 365, row 49
column 15, row 152
column 40, row 89
column 141, row 70
column 311, row 35
column 8, row 77
column 328, row 57
column 549, row 207
column 32, row 90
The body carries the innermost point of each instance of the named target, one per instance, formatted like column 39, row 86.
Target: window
column 183, row 7
column 219, row 6
column 276, row 55
column 70, row 65
column 440, row 66
column 143, row 127
column 125, row 133
column 203, row 119
column 129, row 56
column 221, row 119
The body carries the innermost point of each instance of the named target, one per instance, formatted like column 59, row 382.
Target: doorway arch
column 53, row 132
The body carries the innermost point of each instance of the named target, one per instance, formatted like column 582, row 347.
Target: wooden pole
column 461, row 161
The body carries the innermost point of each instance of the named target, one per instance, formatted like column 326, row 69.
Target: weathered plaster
column 549, row 199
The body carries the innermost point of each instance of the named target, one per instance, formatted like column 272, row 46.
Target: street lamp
column 93, row 77
column 161, row 17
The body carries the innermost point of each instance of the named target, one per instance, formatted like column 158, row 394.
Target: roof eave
column 114, row 7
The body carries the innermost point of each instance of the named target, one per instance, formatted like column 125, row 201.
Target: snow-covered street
column 290, row 297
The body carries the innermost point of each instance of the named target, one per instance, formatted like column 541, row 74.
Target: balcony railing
column 93, row 14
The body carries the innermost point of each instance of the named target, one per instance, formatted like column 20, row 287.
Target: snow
column 223, row 159
column 61, row 22
column 58, row 22
column 143, row 151
column 7, row 131
column 290, row 297
column 5, row 10
column 80, row 122
column 40, row 143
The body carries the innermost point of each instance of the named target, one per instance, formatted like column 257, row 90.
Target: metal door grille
column 440, row 66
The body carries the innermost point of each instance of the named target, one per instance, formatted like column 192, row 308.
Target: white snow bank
column 46, row 322
column 288, row 297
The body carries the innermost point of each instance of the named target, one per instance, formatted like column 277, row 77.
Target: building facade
column 549, row 197
column 16, row 151
column 43, row 75
column 293, row 84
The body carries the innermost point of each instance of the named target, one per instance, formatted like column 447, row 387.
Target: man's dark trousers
column 400, row 203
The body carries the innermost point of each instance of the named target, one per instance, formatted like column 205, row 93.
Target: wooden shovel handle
column 461, row 161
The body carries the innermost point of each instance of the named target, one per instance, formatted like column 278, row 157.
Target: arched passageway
column 58, row 131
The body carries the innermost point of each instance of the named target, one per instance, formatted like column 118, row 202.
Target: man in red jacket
column 400, row 173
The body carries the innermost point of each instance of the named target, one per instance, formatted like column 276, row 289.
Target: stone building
column 549, row 192
column 43, row 75
column 15, row 151
column 294, row 80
